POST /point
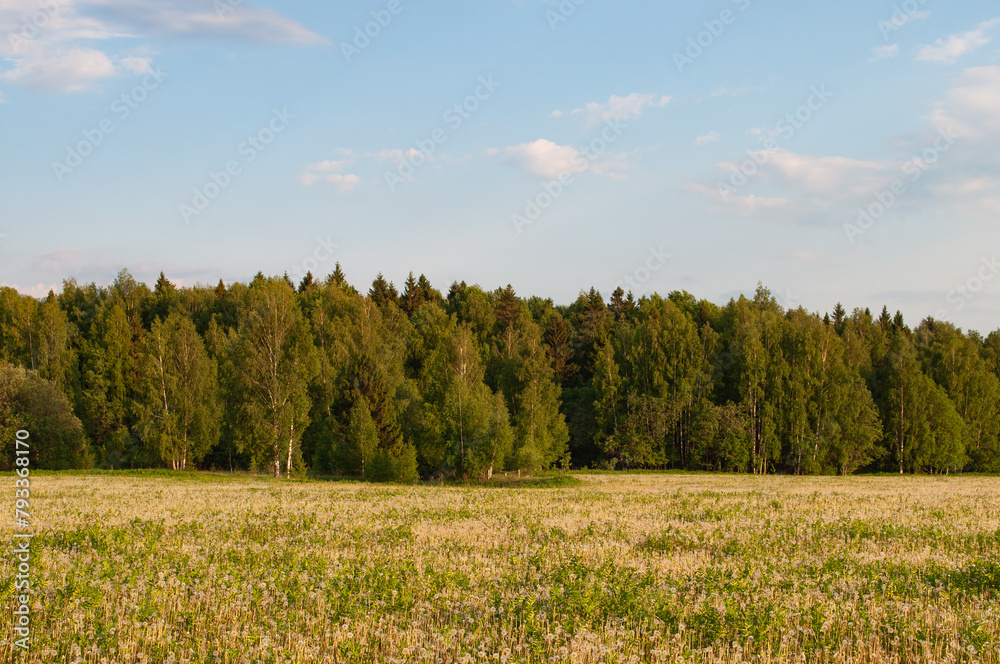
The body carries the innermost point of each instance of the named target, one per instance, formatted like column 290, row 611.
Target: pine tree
column 427, row 292
column 306, row 283
column 382, row 293
column 839, row 315
column 412, row 295
column 165, row 299
column 337, row 277
column 508, row 309
column 559, row 347
column 619, row 306
column 592, row 322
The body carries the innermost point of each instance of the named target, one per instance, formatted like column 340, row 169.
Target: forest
column 321, row 378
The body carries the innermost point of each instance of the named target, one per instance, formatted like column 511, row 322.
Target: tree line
column 387, row 385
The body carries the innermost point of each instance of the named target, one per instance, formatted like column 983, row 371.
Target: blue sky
column 833, row 151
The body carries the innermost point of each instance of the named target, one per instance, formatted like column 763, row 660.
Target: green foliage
column 273, row 360
column 27, row 401
column 180, row 417
column 362, row 441
column 270, row 375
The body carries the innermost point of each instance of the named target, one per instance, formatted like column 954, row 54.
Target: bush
column 32, row 403
column 385, row 467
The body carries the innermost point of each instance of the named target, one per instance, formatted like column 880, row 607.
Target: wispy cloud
column 617, row 108
column 884, row 52
column 972, row 107
column 544, row 158
column 948, row 51
column 822, row 176
column 551, row 161
column 330, row 172
column 72, row 45
column 60, row 261
column 203, row 20
column 38, row 291
column 70, row 70
column 710, row 137
column 740, row 206
column 949, row 178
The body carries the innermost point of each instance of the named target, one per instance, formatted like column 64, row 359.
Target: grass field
column 619, row 568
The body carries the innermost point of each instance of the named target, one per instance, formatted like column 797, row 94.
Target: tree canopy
column 322, row 376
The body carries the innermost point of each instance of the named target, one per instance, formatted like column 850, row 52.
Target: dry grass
column 636, row 568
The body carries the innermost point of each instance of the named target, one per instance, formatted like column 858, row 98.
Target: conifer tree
column 382, row 293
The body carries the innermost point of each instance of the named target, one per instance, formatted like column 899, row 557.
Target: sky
column 835, row 152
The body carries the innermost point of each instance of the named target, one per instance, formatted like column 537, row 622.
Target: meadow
column 612, row 568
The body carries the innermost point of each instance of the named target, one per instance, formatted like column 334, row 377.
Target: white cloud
column 60, row 261
column 966, row 180
column 329, row 172
column 618, row 108
column 38, row 291
column 824, row 176
column 792, row 187
column 551, row 161
column 344, row 182
column 710, row 137
column 884, row 52
column 741, row 206
column 63, row 71
column 68, row 48
column 972, row 108
column 947, row 171
column 397, row 155
column 612, row 165
column 948, row 51
column 203, row 20
column 545, row 158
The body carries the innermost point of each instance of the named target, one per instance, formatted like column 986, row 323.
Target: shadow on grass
column 552, row 480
